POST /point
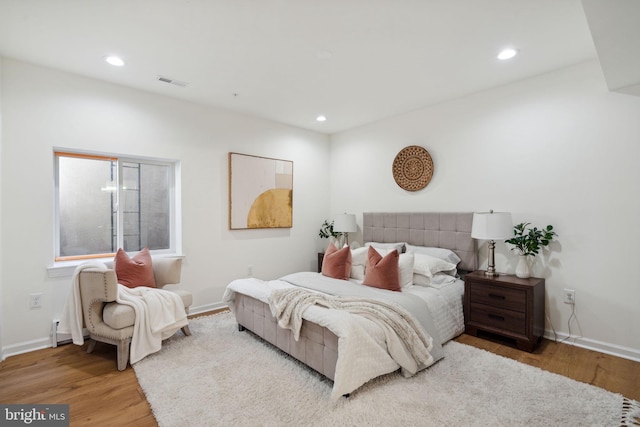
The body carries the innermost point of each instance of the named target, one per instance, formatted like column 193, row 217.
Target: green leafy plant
column 529, row 241
column 326, row 230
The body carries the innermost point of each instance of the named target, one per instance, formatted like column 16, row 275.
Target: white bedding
column 445, row 304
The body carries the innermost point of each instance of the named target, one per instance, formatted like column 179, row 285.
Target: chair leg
column 185, row 328
column 123, row 354
column 91, row 346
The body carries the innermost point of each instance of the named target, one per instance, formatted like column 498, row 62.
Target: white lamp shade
column 345, row 223
column 492, row 226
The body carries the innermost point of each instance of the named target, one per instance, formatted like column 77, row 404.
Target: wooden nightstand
column 320, row 259
column 505, row 305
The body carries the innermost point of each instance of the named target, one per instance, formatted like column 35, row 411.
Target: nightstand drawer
column 506, row 320
column 498, row 296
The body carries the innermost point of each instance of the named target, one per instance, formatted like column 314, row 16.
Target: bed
column 334, row 343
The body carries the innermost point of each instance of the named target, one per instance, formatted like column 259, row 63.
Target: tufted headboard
column 450, row 230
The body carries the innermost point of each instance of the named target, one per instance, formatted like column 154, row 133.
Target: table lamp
column 345, row 223
column 492, row 226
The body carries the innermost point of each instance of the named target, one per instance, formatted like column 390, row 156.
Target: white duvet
column 363, row 347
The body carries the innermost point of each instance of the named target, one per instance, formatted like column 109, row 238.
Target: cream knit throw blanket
column 287, row 306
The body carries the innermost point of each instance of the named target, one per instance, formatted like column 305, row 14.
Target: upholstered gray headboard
column 450, row 230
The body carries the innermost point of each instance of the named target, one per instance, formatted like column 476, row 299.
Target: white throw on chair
column 112, row 322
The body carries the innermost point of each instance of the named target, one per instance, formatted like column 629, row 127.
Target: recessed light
column 114, row 60
column 321, row 118
column 507, row 53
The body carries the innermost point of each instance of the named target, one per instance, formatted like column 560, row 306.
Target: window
column 104, row 203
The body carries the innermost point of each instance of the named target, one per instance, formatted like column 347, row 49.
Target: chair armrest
column 98, row 285
column 167, row 271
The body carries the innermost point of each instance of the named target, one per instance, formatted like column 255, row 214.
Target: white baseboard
column 26, row 347
column 207, row 307
column 599, row 346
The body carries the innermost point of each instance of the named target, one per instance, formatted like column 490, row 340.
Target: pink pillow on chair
column 382, row 272
column 337, row 263
column 136, row 271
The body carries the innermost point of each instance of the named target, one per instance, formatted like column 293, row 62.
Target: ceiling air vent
column 172, row 81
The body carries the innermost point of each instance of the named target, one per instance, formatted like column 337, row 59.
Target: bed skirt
column 316, row 348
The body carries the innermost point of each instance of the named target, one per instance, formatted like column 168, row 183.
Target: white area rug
column 223, row 377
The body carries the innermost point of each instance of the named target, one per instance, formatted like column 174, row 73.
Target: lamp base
column 491, row 263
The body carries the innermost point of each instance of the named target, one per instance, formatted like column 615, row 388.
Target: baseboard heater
column 60, row 339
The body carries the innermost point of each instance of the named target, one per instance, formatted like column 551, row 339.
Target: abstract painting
column 260, row 192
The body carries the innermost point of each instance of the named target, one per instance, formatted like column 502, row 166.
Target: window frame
column 175, row 232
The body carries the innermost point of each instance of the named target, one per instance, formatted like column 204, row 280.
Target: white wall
column 556, row 149
column 44, row 108
column 1, row 299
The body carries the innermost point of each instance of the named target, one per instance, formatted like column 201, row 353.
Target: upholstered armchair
column 112, row 323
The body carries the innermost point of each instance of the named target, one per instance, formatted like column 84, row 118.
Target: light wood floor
column 99, row 394
column 602, row 370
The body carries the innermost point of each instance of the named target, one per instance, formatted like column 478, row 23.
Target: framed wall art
column 260, row 192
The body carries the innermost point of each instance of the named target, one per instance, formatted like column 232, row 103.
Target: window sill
column 66, row 268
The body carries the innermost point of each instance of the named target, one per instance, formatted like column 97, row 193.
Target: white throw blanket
column 71, row 319
column 159, row 314
column 404, row 336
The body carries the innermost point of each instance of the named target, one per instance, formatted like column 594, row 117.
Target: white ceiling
column 615, row 29
column 355, row 61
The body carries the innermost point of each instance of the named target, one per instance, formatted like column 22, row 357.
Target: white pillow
column 428, row 265
column 400, row 247
column 405, row 268
column 444, row 254
column 438, row 280
column 358, row 262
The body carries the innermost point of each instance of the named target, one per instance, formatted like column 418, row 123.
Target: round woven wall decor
column 413, row 168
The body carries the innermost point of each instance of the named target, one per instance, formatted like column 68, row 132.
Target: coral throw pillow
column 136, row 271
column 337, row 263
column 382, row 272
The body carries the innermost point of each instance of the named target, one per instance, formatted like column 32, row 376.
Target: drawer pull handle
column 496, row 296
column 496, row 317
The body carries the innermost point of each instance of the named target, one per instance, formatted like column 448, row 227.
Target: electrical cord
column 573, row 315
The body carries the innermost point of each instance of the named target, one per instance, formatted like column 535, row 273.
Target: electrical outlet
column 569, row 296
column 249, row 270
column 35, row 300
